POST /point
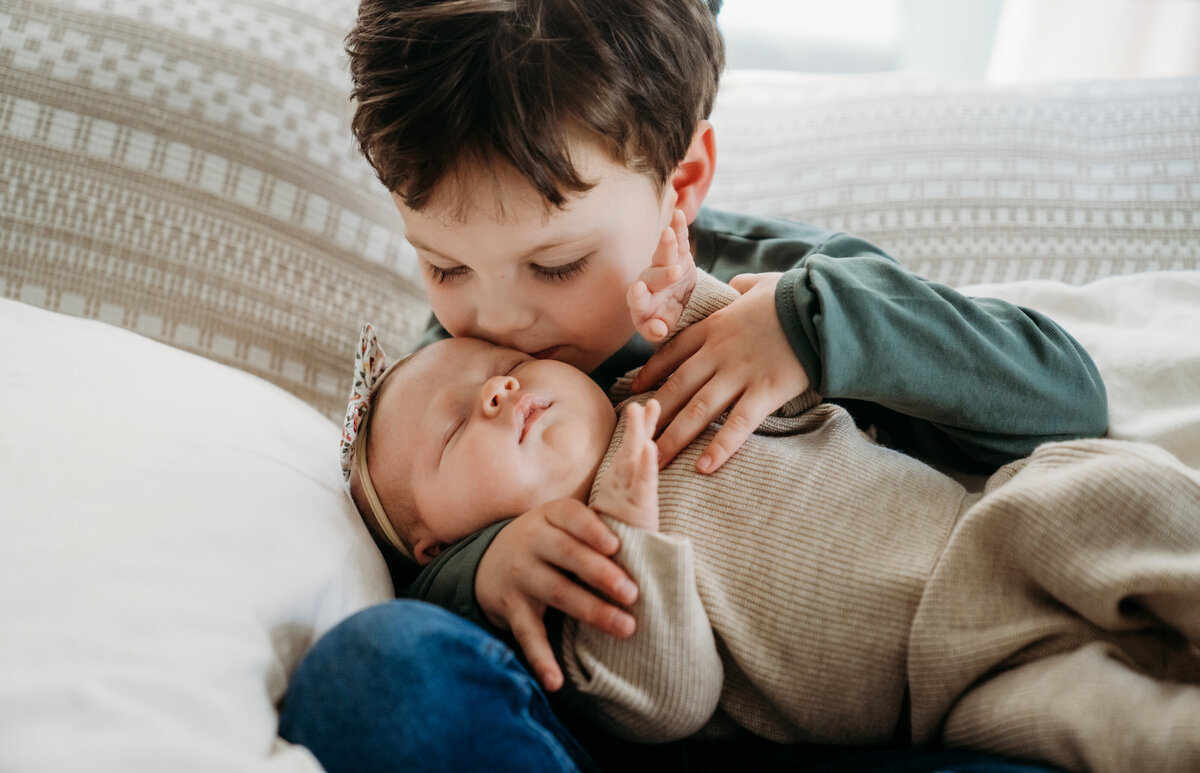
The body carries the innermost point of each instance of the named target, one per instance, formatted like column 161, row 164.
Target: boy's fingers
column 530, row 633
column 582, row 523
column 665, row 362
column 649, row 423
column 704, row 407
column 590, row 610
column 594, row 569
column 745, row 417
column 553, row 589
column 653, row 409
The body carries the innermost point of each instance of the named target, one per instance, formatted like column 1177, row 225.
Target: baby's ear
column 426, row 549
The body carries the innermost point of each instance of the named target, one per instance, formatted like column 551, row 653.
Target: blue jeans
column 407, row 686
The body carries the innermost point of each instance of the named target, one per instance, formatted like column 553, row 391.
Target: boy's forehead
column 493, row 187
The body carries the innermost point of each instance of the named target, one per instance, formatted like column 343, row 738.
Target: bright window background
column 997, row 40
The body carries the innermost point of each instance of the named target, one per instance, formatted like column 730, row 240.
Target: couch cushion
column 966, row 182
column 184, row 168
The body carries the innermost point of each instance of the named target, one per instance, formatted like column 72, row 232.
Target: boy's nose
column 501, row 316
column 495, row 391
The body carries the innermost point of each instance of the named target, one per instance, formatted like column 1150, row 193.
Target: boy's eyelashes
column 561, row 273
column 440, row 275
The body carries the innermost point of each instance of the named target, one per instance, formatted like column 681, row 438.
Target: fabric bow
column 369, row 364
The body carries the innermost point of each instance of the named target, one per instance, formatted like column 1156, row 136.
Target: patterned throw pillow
column 968, row 182
column 184, row 168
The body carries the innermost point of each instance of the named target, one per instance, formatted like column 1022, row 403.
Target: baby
column 820, row 587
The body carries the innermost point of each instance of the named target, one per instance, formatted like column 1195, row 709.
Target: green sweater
column 969, row 382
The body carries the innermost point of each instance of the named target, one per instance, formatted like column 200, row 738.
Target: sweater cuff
column 708, row 296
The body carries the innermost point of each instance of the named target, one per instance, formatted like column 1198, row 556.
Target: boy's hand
column 737, row 357
column 657, row 299
column 523, row 571
column 629, row 489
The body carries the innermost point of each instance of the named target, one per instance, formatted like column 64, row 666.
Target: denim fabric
column 406, row 686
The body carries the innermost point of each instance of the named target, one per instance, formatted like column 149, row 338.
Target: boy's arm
column 559, row 554
column 449, row 579
column 974, row 382
column 956, row 377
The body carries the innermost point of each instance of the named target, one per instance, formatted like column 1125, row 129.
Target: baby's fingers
column 683, row 250
column 666, row 253
column 653, row 409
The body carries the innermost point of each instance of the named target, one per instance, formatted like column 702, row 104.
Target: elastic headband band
column 382, row 522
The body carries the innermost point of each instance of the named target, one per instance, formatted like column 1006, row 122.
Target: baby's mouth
column 528, row 410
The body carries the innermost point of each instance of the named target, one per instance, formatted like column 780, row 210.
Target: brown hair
column 437, row 84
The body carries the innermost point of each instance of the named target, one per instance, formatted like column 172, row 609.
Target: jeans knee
column 389, row 684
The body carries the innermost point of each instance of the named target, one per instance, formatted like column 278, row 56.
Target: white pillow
column 174, row 535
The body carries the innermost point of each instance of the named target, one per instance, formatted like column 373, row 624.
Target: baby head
column 464, row 433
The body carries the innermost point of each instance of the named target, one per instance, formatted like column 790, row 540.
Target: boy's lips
column 529, row 409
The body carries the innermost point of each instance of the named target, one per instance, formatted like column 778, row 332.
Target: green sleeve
column 948, row 376
column 449, row 580
column 975, row 382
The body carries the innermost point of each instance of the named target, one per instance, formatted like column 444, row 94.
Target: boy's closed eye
column 563, row 272
column 560, row 273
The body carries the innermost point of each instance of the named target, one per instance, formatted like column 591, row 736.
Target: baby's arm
column 664, row 682
column 629, row 489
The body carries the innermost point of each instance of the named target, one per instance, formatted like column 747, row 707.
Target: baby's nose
column 495, row 390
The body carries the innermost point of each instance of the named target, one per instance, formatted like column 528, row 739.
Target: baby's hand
column 657, row 299
column 629, row 489
column 525, row 569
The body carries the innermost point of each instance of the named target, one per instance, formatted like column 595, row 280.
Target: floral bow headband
column 370, row 362
column 370, row 365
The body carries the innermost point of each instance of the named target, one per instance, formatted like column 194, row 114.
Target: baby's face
column 481, row 433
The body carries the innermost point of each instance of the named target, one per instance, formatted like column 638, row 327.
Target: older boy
column 1051, row 617
column 536, row 150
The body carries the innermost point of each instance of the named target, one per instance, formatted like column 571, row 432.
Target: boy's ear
column 694, row 174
